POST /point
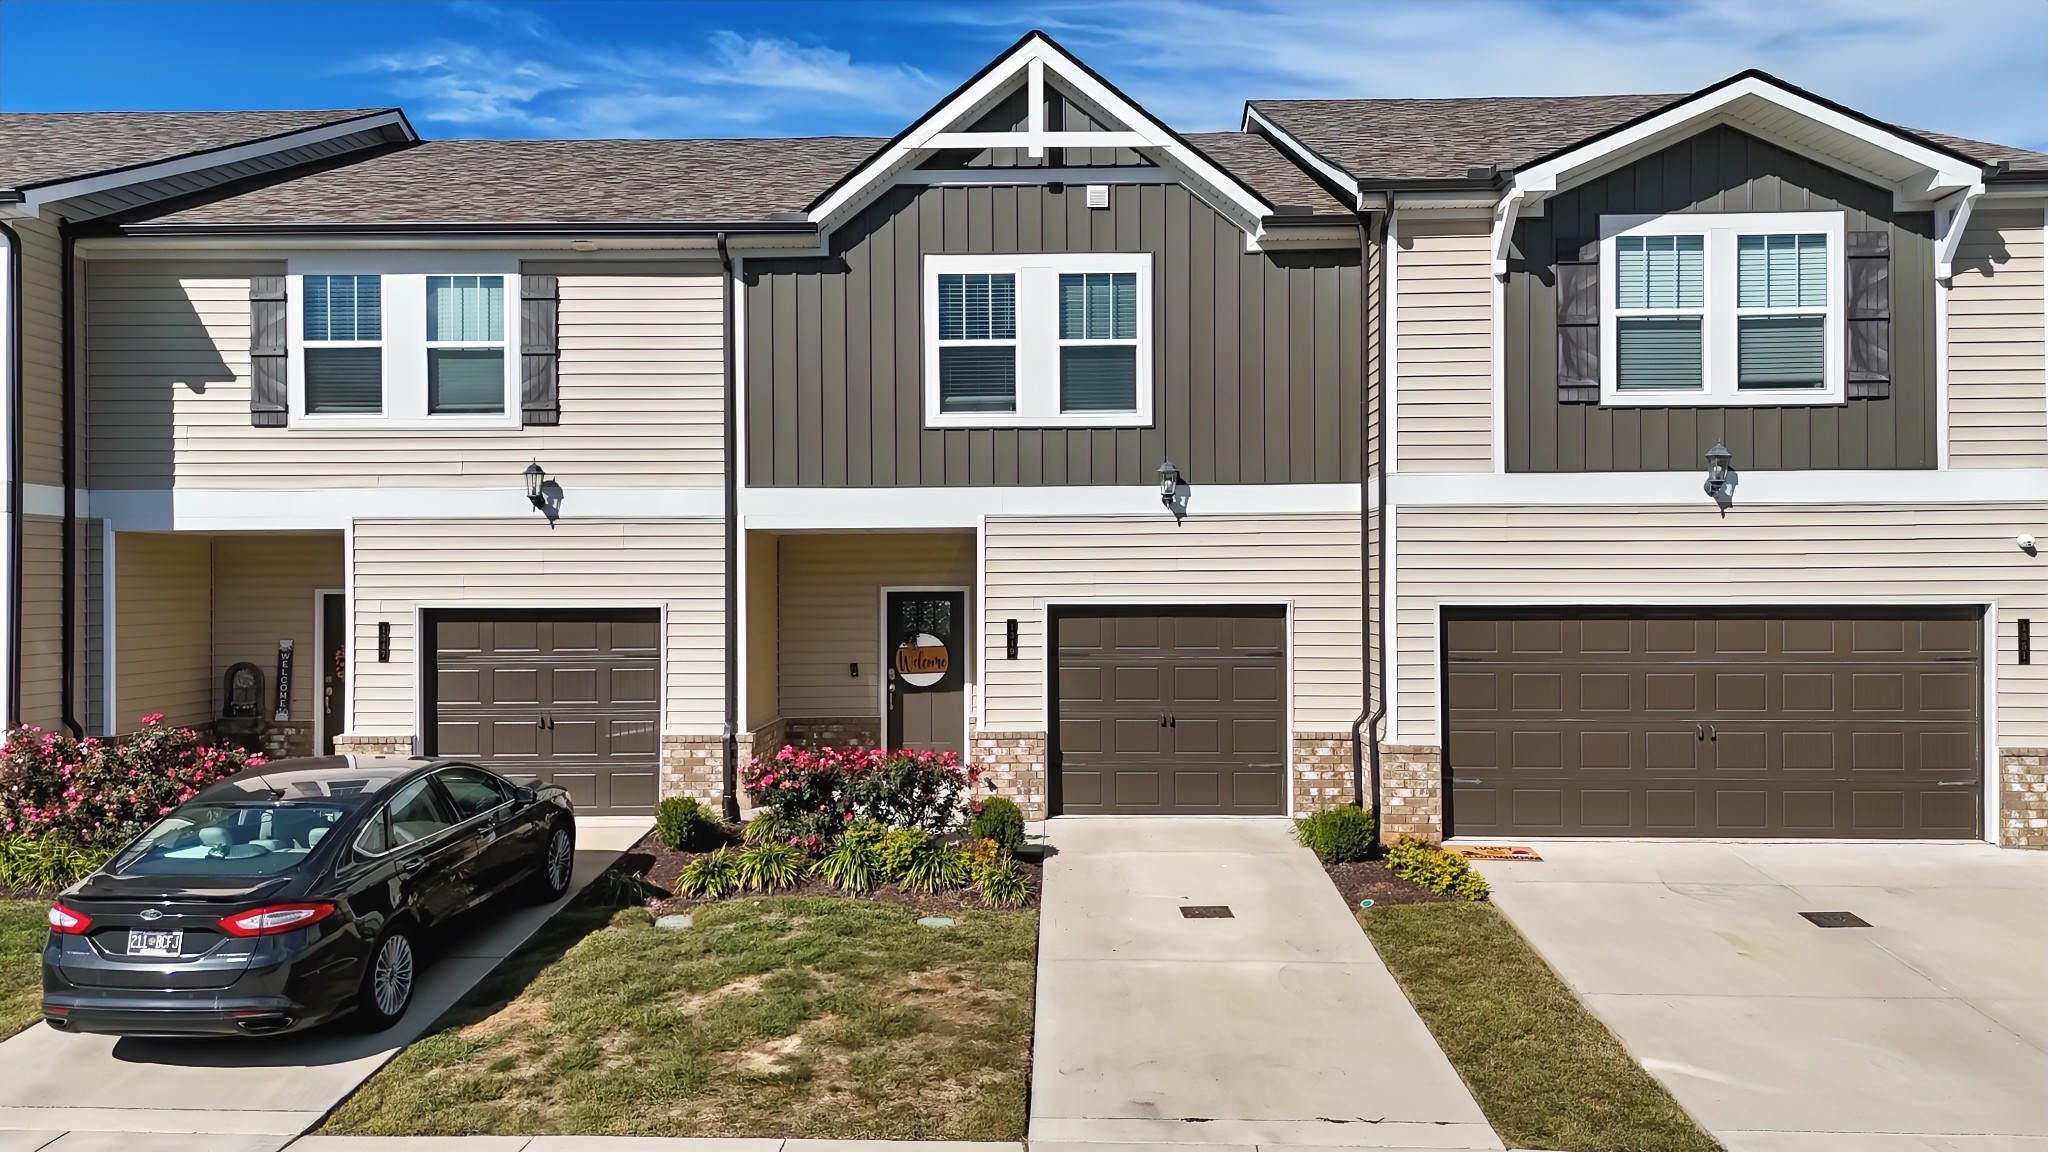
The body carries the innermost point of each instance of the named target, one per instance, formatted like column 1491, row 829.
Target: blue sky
column 656, row 68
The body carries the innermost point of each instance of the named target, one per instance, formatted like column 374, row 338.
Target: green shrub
column 683, row 824
column 1435, row 869
column 935, row 867
column 771, row 866
column 1002, row 883
column 622, row 888
column 1337, row 835
column 712, row 875
column 999, row 819
column 49, row 862
column 766, row 826
column 897, row 848
column 853, row 865
column 106, row 791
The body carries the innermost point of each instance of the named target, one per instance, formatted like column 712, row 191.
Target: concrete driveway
column 277, row 1086
column 1926, row 1030
column 1276, row 1026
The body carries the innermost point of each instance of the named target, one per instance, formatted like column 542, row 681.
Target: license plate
column 141, row 943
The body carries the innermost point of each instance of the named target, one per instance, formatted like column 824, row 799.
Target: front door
column 333, row 668
column 924, row 648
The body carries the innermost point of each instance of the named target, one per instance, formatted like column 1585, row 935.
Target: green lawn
column 779, row 1016
column 1545, row 1072
column 24, row 925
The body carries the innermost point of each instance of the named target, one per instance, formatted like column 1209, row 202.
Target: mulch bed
column 663, row 865
column 1370, row 880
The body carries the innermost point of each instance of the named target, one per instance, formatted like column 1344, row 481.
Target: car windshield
column 230, row 840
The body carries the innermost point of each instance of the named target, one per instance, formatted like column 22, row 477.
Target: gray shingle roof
column 45, row 147
column 1400, row 140
column 1266, row 170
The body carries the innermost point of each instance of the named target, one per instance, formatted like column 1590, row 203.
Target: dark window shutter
column 1578, row 323
column 269, row 399
column 540, row 400
column 1870, row 316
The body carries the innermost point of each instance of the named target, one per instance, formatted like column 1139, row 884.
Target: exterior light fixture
column 1720, row 483
column 535, row 477
column 1169, row 483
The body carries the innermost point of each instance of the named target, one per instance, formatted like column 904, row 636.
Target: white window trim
column 1038, row 343
column 404, row 329
column 1719, row 317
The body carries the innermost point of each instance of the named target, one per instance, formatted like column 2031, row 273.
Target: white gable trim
column 1031, row 61
column 1302, row 153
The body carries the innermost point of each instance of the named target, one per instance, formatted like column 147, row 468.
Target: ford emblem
column 151, row 914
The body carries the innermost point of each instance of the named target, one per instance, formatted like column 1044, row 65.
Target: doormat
column 1494, row 851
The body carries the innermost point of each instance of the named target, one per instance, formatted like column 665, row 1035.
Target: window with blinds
column 465, row 344
column 343, row 332
column 1098, row 341
column 1660, row 303
column 1781, row 300
column 977, row 342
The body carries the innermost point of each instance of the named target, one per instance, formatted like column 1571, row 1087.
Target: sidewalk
column 1277, row 1026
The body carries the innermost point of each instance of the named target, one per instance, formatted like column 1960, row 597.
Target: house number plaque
column 922, row 660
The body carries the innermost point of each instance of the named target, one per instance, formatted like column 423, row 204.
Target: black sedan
column 293, row 894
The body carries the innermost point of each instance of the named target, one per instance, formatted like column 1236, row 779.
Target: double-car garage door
column 1790, row 722
column 571, row 697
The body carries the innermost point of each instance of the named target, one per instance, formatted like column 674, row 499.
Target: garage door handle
column 1955, row 783
column 1465, row 780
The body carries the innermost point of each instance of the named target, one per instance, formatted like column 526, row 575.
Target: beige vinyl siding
column 1443, row 346
column 42, row 351
column 1997, row 373
column 163, row 608
column 1310, row 561
column 168, row 391
column 831, row 610
column 1822, row 554
column 42, row 613
column 263, row 592
column 399, row 566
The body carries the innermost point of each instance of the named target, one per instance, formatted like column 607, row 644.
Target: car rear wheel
column 388, row 984
column 557, row 864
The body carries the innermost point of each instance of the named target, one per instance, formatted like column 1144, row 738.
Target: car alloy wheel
column 391, row 980
column 561, row 859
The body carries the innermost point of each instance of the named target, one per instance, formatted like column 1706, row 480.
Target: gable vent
column 1098, row 195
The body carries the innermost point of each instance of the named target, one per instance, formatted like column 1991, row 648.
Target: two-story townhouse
column 61, row 173
column 1832, row 632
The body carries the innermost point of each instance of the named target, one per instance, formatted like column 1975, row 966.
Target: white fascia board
column 1303, row 154
column 854, row 509
column 33, row 199
column 935, row 131
column 1941, row 174
column 308, row 509
column 1873, row 488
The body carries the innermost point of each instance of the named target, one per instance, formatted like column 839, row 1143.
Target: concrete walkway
column 54, row 1083
column 1927, row 1030
column 1278, row 1026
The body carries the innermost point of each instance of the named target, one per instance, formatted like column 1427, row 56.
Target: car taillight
column 68, row 922
column 272, row 919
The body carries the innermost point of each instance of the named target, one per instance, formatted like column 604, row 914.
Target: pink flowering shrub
column 105, row 790
column 816, row 792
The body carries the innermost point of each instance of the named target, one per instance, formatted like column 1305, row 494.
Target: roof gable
column 1030, row 65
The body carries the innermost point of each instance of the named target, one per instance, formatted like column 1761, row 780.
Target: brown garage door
column 1761, row 723
column 573, row 698
column 1179, row 714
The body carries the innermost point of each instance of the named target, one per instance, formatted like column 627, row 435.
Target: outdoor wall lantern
column 1720, row 477
column 535, row 477
column 1169, row 483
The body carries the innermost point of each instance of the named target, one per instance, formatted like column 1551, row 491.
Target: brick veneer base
column 1322, row 771
column 1411, row 792
column 833, row 731
column 2023, row 797
column 356, row 744
column 1013, row 765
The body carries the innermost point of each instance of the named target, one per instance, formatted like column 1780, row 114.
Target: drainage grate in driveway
column 1836, row 919
column 1206, row 912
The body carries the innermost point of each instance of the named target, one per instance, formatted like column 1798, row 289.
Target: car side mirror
column 525, row 795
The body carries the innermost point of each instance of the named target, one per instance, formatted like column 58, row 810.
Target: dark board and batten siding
column 1719, row 170
column 1256, row 357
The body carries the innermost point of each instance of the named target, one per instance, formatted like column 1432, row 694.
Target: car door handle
column 413, row 863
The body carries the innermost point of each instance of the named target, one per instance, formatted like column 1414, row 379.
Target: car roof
column 329, row 779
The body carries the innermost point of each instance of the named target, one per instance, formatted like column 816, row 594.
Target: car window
column 417, row 813
column 474, row 792
column 213, row 839
column 375, row 839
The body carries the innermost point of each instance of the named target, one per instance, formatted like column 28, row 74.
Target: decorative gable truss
column 1920, row 175
column 1047, row 78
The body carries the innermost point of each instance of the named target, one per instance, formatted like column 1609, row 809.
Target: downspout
column 1379, row 711
column 15, row 362
column 1358, row 792
column 68, row 627
column 730, row 745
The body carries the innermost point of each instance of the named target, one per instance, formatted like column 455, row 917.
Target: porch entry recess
column 570, row 696
column 1170, row 711
column 1755, row 722
column 925, row 647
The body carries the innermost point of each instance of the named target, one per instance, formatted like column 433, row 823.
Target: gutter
column 729, row 743
column 68, row 382
column 429, row 228
column 13, row 401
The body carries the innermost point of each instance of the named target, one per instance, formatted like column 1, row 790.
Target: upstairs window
column 1723, row 308
column 395, row 349
column 1047, row 340
column 344, row 333
column 465, row 344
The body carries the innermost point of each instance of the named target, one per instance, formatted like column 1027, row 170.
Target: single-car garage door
column 1795, row 722
column 571, row 697
column 1171, row 714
